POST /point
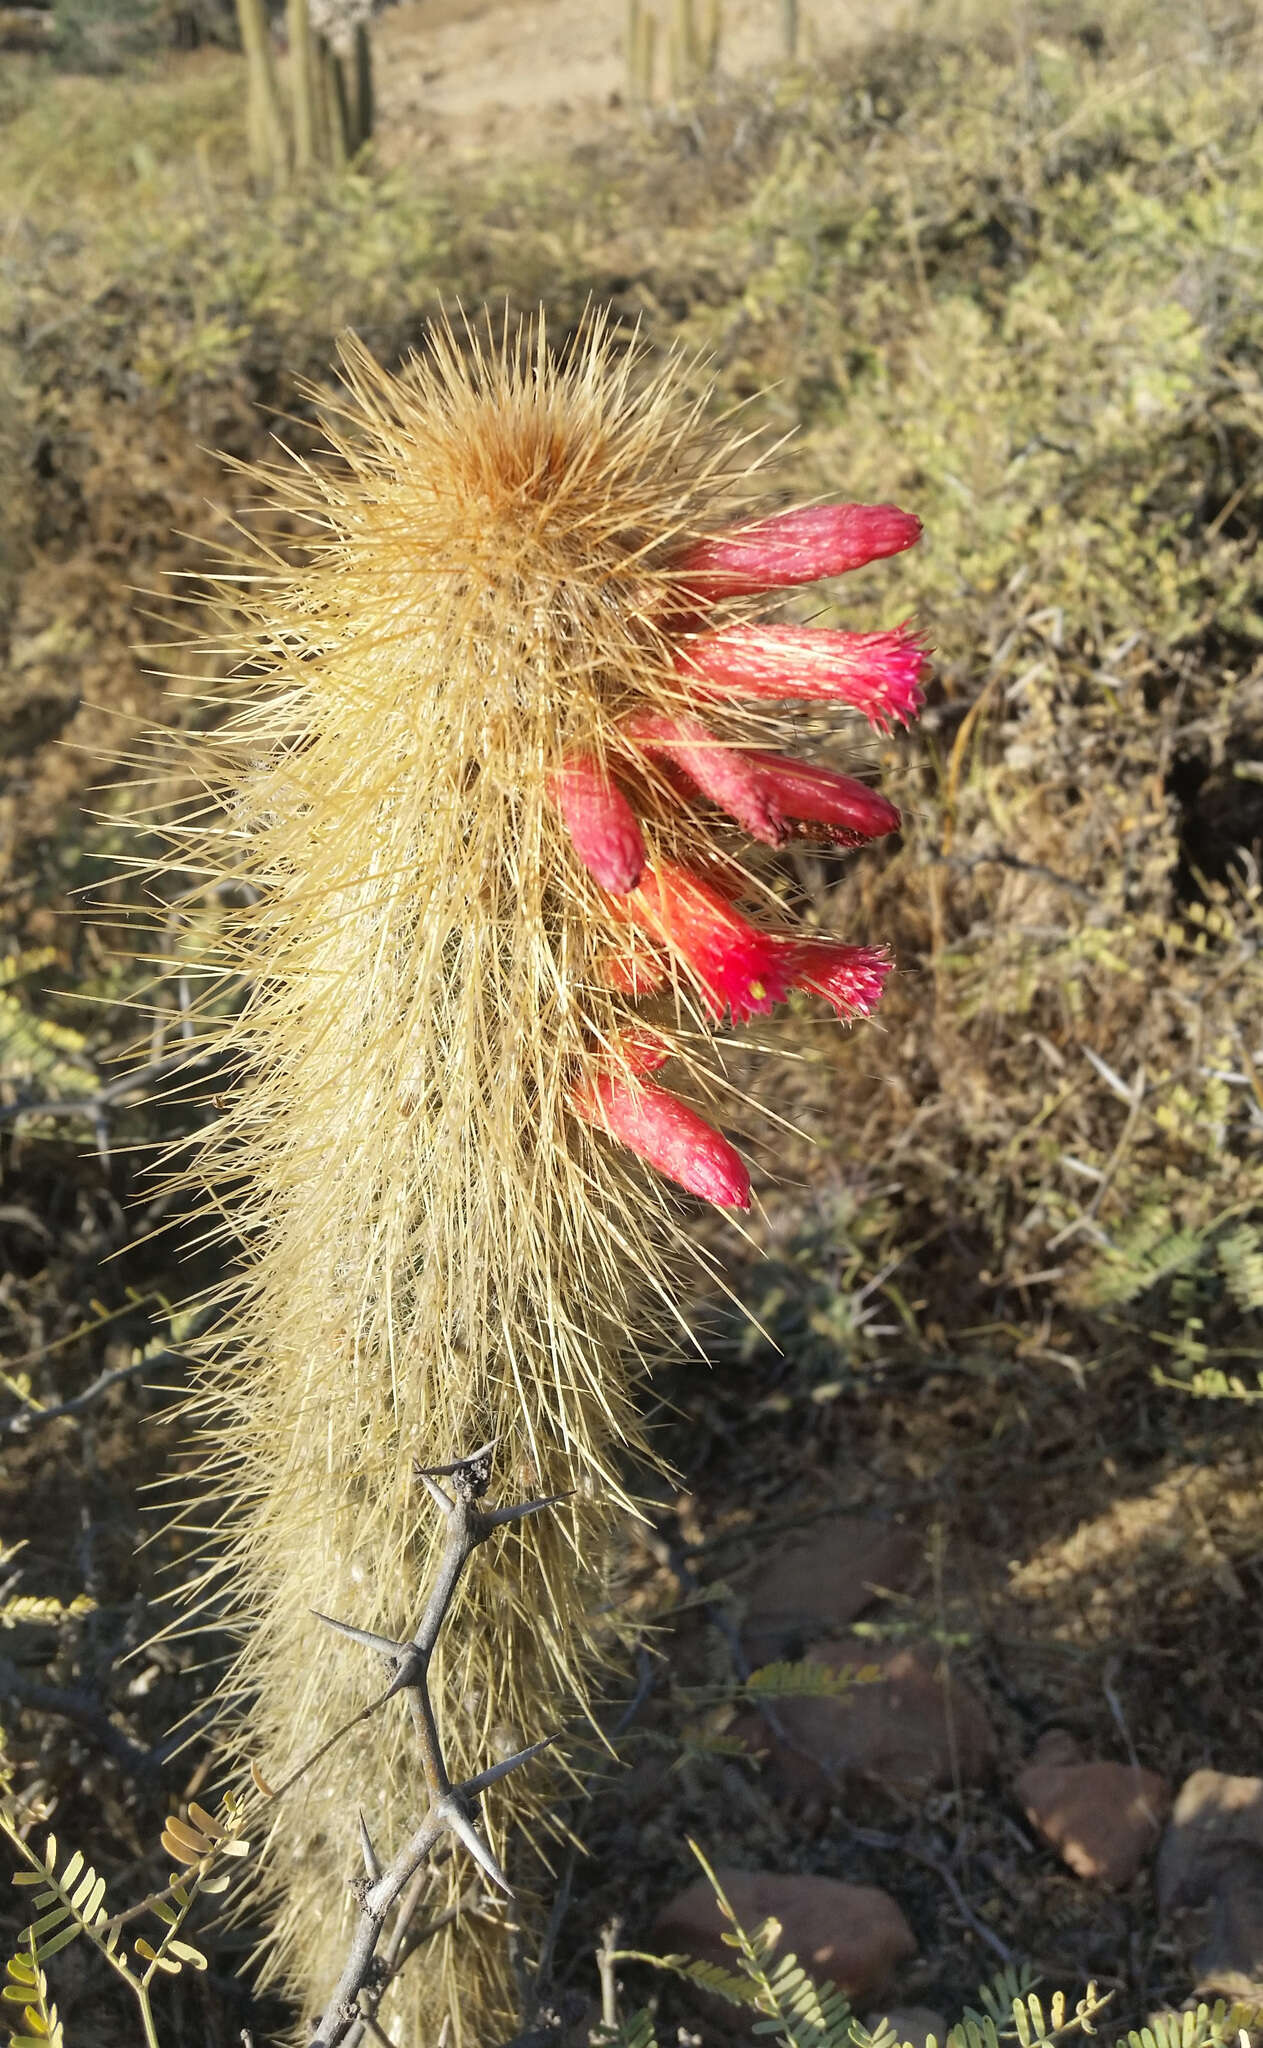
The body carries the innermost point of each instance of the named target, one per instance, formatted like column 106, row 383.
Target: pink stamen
column 849, row 977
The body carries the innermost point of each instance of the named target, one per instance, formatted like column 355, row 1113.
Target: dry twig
column 451, row 1807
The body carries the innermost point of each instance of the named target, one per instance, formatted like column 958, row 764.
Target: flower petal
column 601, row 823
column 666, row 1132
column 877, row 673
column 722, row 773
column 849, row 977
column 842, row 809
column 797, row 547
column 737, row 966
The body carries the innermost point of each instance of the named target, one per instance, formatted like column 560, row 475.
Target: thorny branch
column 451, row 1807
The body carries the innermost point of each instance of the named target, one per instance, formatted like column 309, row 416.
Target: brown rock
column 819, row 1580
column 1210, row 1880
column 913, row 1726
column 1102, row 1818
column 1057, row 1746
column 912, row 2023
column 851, row 1935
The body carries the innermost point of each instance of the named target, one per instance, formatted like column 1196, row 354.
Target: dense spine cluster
column 508, row 733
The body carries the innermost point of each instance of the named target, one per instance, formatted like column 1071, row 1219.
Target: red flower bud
column 797, row 547
column 841, row 809
column 667, row 1133
column 876, row 673
column 601, row 823
column 722, row 773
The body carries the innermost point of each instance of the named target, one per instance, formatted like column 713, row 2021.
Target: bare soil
column 466, row 77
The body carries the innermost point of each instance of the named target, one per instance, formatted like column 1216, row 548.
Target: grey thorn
column 524, row 1508
column 458, row 1464
column 437, row 1494
column 371, row 1865
column 477, row 1848
column 473, row 1786
column 385, row 1646
column 413, row 1665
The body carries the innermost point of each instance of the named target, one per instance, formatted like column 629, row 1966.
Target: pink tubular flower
column 797, row 547
column 680, row 920
column 737, row 966
column 876, row 673
column 849, row 977
column 601, row 823
column 837, row 806
column 667, row 1133
column 722, row 773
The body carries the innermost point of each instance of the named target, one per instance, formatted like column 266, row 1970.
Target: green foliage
column 27, row 1986
column 801, row 2013
column 805, row 1681
column 39, row 1059
column 69, row 1904
column 33, row 1609
column 636, row 2030
column 790, row 2004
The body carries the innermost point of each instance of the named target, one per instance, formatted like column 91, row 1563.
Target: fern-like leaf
column 807, row 2014
column 1240, row 1253
column 807, row 1681
column 67, row 1905
column 27, row 1986
column 1214, row 2026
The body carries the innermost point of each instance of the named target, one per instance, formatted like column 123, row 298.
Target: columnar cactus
column 501, row 745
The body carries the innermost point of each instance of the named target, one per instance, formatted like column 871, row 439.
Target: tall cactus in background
column 265, row 113
column 329, row 116
column 640, row 51
column 692, row 43
column 511, row 730
column 302, row 84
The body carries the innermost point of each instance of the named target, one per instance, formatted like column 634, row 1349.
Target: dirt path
column 467, row 75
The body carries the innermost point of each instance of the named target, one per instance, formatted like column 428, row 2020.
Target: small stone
column 1057, row 1746
column 820, row 1580
column 1103, row 1819
column 1210, row 1879
column 913, row 1726
column 916, row 2024
column 850, row 1935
